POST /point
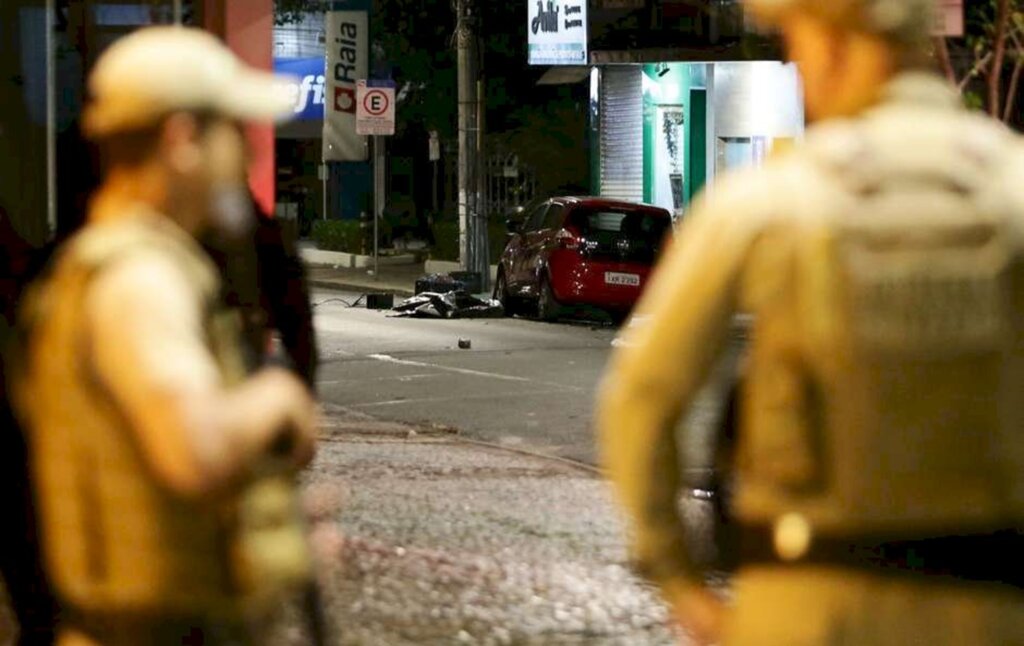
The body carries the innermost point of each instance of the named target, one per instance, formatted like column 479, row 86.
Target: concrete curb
column 344, row 286
column 320, row 257
column 576, row 464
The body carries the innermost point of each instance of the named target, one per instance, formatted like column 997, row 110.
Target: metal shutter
column 622, row 133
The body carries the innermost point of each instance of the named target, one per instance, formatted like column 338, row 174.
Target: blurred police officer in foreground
column 880, row 459
column 150, row 449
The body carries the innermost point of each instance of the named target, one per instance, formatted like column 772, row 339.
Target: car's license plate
column 617, row 278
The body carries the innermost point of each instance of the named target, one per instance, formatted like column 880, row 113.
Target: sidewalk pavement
column 448, row 541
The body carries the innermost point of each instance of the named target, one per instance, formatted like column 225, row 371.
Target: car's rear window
column 637, row 224
column 609, row 221
column 622, row 235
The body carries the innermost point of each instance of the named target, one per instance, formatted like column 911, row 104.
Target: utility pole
column 435, row 156
column 51, row 119
column 472, row 221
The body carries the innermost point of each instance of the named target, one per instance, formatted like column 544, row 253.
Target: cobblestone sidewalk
column 448, row 542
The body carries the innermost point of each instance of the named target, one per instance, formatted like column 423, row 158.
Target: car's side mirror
column 513, row 226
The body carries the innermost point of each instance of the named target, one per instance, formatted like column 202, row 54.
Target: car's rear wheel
column 501, row 294
column 619, row 317
column 548, row 307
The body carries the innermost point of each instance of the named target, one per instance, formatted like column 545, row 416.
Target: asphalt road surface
column 523, row 384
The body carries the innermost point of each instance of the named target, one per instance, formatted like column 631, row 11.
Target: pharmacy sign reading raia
column 348, row 59
column 375, row 108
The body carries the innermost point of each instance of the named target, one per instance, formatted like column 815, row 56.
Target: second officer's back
column 880, row 467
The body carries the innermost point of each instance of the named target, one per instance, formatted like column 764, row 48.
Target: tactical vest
column 114, row 539
column 885, row 369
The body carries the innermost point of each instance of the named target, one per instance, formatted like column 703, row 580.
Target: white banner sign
column 557, row 32
column 348, row 54
column 375, row 108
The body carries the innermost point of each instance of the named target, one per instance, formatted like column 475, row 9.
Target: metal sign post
column 324, row 173
column 379, row 187
column 375, row 116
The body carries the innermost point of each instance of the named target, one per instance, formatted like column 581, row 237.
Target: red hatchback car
column 572, row 251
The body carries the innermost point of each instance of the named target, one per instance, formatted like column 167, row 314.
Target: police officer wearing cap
column 161, row 518
column 879, row 460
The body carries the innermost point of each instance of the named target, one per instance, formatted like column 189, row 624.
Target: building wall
column 86, row 28
column 302, row 39
column 247, row 28
column 755, row 106
column 761, row 98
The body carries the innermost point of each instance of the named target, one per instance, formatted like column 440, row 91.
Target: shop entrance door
column 670, row 159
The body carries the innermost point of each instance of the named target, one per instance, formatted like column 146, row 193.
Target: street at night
column 542, row 322
column 522, row 384
column 470, row 508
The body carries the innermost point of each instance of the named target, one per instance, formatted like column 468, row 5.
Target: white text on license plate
column 616, row 278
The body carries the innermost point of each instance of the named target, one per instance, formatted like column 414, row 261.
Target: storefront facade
column 664, row 130
column 680, row 91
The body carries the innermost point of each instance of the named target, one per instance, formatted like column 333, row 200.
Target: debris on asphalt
column 466, row 281
column 348, row 304
column 437, row 283
column 456, row 304
column 471, row 281
column 465, row 344
column 380, row 301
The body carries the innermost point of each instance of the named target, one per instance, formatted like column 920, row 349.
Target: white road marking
column 472, row 373
column 403, row 378
column 438, row 400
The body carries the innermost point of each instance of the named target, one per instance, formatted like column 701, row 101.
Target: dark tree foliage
column 415, row 38
column 987, row 64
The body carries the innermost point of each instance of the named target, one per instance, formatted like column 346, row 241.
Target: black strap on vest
column 989, row 558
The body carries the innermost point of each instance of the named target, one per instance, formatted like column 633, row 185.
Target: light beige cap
column 156, row 71
column 908, row 21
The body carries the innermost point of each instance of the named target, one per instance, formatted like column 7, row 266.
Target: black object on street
column 451, row 305
column 438, row 283
column 471, row 281
column 466, row 281
column 380, row 301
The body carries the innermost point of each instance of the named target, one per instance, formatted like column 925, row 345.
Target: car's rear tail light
column 566, row 239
